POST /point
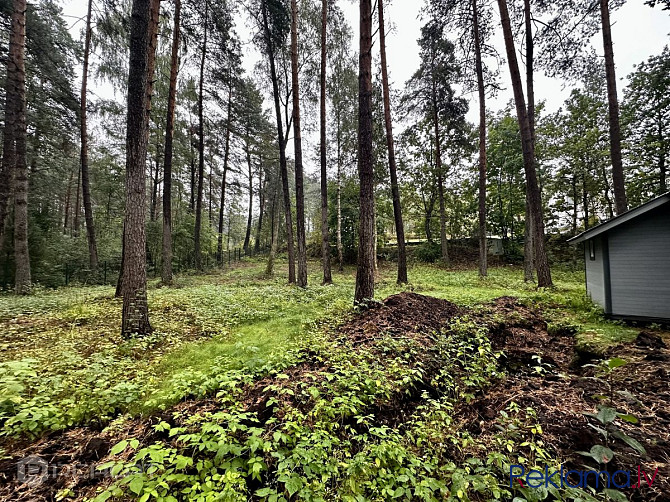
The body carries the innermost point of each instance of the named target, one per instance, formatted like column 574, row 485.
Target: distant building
column 628, row 262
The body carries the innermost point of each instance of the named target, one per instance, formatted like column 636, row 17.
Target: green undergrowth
column 355, row 423
column 64, row 363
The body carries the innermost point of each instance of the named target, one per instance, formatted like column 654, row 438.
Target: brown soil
column 545, row 372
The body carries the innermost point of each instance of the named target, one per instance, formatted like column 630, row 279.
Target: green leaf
column 606, row 415
column 601, row 454
column 631, row 419
column 615, row 495
column 293, row 485
column 136, row 485
column 633, row 443
column 119, row 447
column 615, row 362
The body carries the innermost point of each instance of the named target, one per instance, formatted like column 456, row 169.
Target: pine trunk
column 325, row 239
column 288, row 217
column 250, row 214
column 9, row 151
column 17, row 76
column 365, row 274
column 340, row 252
column 85, row 183
column 483, row 247
column 201, row 149
column 262, row 182
column 143, row 38
column 297, row 142
column 535, row 199
column 440, row 181
column 395, row 192
column 166, row 271
column 222, row 202
column 529, row 241
column 620, row 199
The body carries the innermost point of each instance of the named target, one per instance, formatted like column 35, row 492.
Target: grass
column 208, row 324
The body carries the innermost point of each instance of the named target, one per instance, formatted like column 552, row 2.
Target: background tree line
column 213, row 158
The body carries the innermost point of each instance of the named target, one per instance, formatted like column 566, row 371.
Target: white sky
column 638, row 32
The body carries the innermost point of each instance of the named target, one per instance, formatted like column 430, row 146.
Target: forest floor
column 250, row 389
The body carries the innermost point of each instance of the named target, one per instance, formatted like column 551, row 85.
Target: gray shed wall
column 639, row 256
column 595, row 276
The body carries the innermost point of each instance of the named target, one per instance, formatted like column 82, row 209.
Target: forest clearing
column 251, row 388
column 334, row 251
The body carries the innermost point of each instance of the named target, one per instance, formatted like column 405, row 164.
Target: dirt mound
column 405, row 314
column 545, row 374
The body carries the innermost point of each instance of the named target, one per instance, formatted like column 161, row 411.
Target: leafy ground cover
column 251, row 389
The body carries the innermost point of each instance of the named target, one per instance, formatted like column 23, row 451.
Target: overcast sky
column 638, row 32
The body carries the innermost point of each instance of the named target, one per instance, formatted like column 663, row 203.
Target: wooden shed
column 628, row 262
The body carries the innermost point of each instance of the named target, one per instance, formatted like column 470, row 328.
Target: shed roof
column 622, row 218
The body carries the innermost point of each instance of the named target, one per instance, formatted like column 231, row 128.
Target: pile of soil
column 405, row 314
column 549, row 374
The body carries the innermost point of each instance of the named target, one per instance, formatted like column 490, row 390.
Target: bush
column 428, row 252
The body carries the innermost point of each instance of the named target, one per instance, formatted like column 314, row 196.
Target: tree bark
column 297, row 142
column 9, row 148
column 620, row 199
column 529, row 241
column 17, row 77
column 85, row 183
column 340, row 257
column 325, row 240
column 282, row 148
column 250, row 214
column 77, row 205
column 143, row 35
column 483, row 247
column 395, row 192
column 226, row 156
column 365, row 274
column 440, row 180
column 535, row 199
column 166, row 270
column 274, row 237
column 201, row 148
column 262, row 183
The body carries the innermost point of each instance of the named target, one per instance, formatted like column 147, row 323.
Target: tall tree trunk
column 274, row 237
column 365, row 273
column 166, row 270
column 395, row 192
column 250, row 214
column 340, row 257
column 9, row 149
column 201, row 147
column 535, row 200
column 483, row 247
column 282, row 147
column 85, row 184
column 153, row 209
column 325, row 239
column 620, row 199
column 66, row 216
column 226, row 157
column 440, row 179
column 143, row 38
column 529, row 241
column 262, row 183
column 77, row 206
column 297, row 141
column 17, row 44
